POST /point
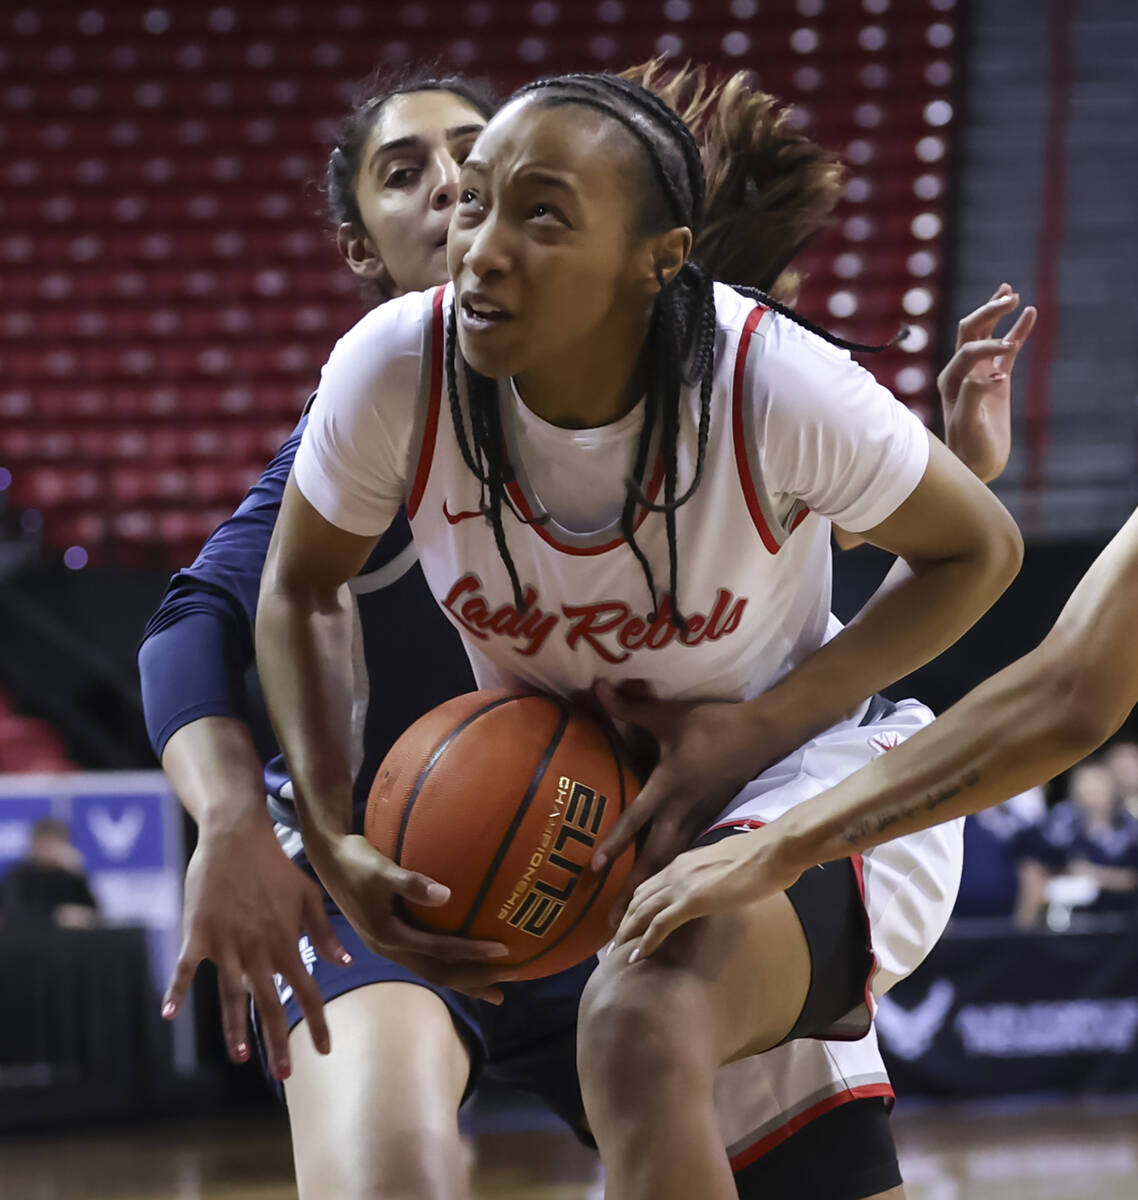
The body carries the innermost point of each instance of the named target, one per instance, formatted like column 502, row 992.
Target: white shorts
column 908, row 887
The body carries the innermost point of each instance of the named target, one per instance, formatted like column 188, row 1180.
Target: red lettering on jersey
column 475, row 616
column 589, row 623
column 725, row 617
column 591, row 620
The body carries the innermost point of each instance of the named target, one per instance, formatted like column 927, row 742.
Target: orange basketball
column 503, row 796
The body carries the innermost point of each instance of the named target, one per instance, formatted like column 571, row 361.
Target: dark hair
column 371, row 97
column 679, row 350
column 770, row 189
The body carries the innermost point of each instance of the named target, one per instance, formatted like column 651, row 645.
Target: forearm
column 1013, row 732
column 217, row 775
column 304, row 662
column 909, row 620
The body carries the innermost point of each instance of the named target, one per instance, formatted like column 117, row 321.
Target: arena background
column 168, row 292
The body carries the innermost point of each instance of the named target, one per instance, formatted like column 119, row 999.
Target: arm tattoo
column 879, row 822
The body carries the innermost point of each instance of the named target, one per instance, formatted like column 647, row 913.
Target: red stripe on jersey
column 764, row 1145
column 518, row 497
column 858, row 864
column 803, row 513
column 744, row 468
column 434, row 401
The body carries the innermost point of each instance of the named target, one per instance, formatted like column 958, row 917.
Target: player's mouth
column 479, row 313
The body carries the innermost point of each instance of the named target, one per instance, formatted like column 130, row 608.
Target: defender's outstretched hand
column 976, row 384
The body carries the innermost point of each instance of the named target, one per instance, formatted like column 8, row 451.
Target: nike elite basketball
column 503, row 797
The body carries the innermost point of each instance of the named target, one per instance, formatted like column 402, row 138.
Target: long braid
column 841, row 342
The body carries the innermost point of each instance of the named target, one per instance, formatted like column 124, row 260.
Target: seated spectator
column 988, row 886
column 1091, row 836
column 49, row 886
column 1122, row 760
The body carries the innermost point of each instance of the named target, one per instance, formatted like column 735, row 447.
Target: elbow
column 1065, row 701
column 1006, row 552
column 1094, row 710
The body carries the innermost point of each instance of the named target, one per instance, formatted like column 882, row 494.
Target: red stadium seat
column 170, row 293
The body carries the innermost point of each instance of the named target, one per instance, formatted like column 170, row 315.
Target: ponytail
column 770, row 190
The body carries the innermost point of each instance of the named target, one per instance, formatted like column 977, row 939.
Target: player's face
column 408, row 180
column 542, row 247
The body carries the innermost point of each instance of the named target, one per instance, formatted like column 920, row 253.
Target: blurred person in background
column 50, row 885
column 1121, row 759
column 989, row 886
column 1089, row 836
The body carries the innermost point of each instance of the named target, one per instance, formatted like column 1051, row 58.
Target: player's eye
column 401, row 177
column 546, row 212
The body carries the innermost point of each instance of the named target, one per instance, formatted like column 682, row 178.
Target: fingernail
column 438, row 893
column 634, row 956
column 168, row 1009
column 500, row 952
column 344, row 957
column 241, row 1051
column 284, row 1068
column 1007, row 345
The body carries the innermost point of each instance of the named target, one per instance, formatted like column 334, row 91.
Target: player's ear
column 662, row 257
column 359, row 252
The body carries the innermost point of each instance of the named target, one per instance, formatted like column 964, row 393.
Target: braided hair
column 679, row 349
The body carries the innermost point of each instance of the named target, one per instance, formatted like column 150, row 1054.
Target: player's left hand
column 708, row 751
column 976, row 384
column 739, row 870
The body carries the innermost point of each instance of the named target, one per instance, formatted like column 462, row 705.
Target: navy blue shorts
column 528, row 1042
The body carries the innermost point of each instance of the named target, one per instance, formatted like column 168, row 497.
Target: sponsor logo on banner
column 910, row 1032
column 1049, row 1028
column 116, row 831
column 117, row 835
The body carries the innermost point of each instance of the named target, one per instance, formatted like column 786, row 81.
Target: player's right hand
column 365, row 884
column 246, row 907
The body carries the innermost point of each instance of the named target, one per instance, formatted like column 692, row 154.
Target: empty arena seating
column 170, row 290
column 28, row 745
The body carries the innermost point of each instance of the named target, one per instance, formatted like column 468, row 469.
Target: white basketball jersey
column 754, row 562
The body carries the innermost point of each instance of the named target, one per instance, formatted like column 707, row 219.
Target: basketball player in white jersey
column 573, row 291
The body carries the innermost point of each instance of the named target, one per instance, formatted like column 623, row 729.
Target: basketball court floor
column 991, row 1152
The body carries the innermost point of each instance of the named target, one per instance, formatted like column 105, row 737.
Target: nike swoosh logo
column 454, row 518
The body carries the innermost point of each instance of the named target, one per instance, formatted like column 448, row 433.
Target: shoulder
column 388, row 336
column 783, row 354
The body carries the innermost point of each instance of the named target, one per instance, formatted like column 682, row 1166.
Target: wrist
column 244, row 817
column 773, row 727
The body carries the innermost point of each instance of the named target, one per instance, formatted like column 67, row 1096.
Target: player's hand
column 976, row 384
column 367, row 886
column 739, row 870
column 708, row 751
column 246, row 907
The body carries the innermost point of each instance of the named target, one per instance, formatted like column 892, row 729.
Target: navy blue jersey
column 198, row 645
column 1064, row 837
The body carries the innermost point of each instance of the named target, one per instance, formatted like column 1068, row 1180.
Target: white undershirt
column 579, row 475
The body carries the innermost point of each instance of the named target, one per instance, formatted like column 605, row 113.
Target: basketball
column 503, row 797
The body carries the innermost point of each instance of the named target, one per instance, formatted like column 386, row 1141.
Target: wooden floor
column 1027, row 1153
